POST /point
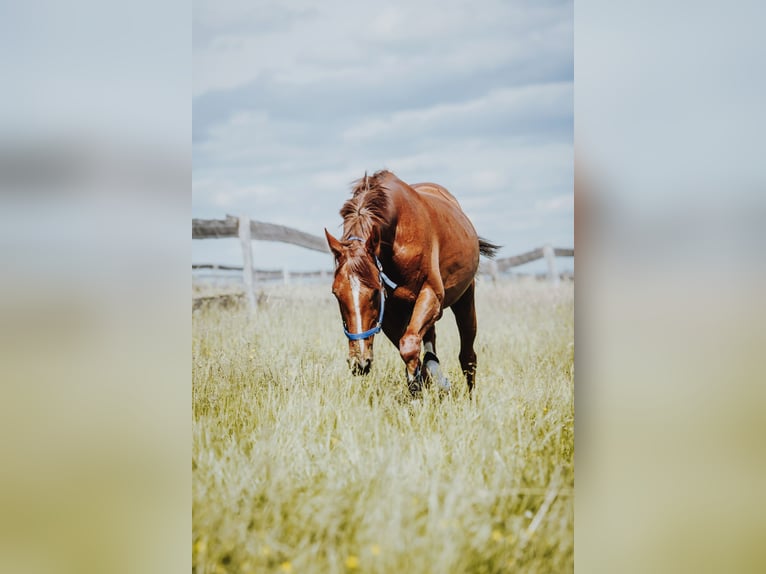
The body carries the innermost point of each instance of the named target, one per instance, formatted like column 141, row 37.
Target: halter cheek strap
column 383, row 280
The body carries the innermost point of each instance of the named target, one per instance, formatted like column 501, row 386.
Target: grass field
column 300, row 467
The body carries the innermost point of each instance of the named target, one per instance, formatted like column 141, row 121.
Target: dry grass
column 300, row 467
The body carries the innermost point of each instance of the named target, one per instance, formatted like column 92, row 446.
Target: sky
column 293, row 101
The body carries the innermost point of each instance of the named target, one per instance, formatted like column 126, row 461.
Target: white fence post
column 550, row 258
column 247, row 255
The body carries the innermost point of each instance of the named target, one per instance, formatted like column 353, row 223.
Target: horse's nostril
column 360, row 366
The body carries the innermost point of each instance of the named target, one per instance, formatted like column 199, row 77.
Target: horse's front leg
column 427, row 310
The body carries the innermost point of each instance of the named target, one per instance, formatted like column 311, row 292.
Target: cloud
column 504, row 110
column 236, row 42
column 344, row 61
column 557, row 203
column 233, row 197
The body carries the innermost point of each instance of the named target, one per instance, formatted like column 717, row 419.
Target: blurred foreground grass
column 300, row 467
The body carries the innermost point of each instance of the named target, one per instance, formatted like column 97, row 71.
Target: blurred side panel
column 95, row 177
column 670, row 212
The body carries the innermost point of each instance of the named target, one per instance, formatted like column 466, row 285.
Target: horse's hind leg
column 431, row 361
column 465, row 317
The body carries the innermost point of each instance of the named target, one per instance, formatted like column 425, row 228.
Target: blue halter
column 383, row 280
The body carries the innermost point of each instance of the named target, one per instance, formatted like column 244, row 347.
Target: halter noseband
column 384, row 280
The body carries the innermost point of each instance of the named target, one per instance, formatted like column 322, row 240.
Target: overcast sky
column 292, row 101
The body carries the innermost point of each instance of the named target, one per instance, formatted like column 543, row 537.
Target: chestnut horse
column 407, row 252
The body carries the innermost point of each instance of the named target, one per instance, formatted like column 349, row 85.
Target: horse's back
column 436, row 190
column 445, row 209
column 458, row 243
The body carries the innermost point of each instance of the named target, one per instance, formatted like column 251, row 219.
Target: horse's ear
column 334, row 244
column 373, row 242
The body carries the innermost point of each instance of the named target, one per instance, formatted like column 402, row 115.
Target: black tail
column 488, row 249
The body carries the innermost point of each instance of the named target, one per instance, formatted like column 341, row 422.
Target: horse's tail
column 488, row 249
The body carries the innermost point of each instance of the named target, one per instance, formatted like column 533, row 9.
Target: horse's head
column 359, row 290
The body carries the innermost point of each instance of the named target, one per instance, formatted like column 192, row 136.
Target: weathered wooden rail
column 229, row 227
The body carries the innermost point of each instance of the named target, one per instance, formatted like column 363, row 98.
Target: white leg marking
column 435, row 370
column 355, row 286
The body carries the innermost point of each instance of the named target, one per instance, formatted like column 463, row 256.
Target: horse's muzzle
column 359, row 366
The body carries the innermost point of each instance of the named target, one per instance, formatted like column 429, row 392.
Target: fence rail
column 267, row 274
column 247, row 230
column 508, row 262
column 229, row 227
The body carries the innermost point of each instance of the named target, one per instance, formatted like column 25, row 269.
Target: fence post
column 285, row 275
column 550, row 258
column 493, row 270
column 247, row 255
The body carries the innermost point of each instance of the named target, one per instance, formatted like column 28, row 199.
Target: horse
column 407, row 253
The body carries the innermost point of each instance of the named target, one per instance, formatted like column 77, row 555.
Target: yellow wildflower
column 375, row 549
column 352, row 562
column 497, row 536
column 286, row 567
column 200, row 546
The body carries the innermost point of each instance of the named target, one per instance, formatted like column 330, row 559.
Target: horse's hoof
column 415, row 382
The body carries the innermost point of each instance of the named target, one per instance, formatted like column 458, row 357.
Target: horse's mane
column 370, row 206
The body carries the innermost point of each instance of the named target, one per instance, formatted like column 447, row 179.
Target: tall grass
column 300, row 467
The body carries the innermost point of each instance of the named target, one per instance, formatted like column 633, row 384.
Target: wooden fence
column 247, row 230
column 229, row 227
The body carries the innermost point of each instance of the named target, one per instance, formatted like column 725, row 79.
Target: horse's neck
column 387, row 227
